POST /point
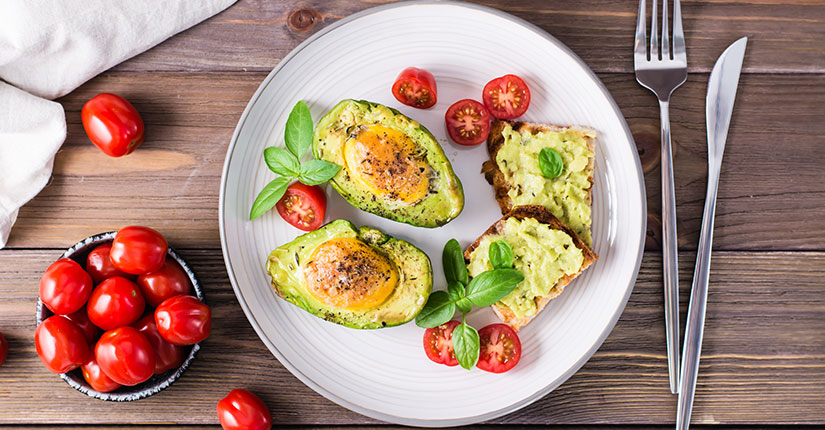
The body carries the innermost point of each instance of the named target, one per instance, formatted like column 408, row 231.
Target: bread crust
column 544, row 216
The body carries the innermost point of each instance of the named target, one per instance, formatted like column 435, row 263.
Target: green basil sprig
column 462, row 293
column 550, row 163
column 287, row 161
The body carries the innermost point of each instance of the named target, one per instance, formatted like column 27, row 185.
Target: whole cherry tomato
column 415, row 87
column 125, row 355
column 81, row 320
column 60, row 344
column 169, row 281
column 242, row 410
column 138, row 250
column 96, row 378
column 4, row 349
column 183, row 320
column 100, row 266
column 303, row 206
column 114, row 303
column 167, row 355
column 112, row 124
column 65, row 286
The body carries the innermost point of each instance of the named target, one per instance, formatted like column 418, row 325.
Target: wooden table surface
column 763, row 362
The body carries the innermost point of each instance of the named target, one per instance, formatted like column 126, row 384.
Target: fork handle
column 670, row 251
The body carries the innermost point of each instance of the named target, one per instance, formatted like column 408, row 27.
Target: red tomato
column 183, row 320
column 125, row 355
column 4, row 349
column 114, row 303
column 303, row 206
column 65, row 286
column 100, row 266
column 167, row 355
column 506, row 97
column 500, row 348
column 242, row 410
column 438, row 343
column 138, row 250
column 112, row 124
column 415, row 87
column 96, row 378
column 162, row 284
column 81, row 320
column 60, row 344
column 468, row 122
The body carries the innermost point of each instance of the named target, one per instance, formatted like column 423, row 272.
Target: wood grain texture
column 763, row 357
column 771, row 195
column 785, row 36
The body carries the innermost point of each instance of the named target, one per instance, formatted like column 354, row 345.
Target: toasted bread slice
column 544, row 216
column 497, row 179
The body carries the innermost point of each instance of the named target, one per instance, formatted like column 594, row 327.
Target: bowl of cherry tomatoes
column 120, row 315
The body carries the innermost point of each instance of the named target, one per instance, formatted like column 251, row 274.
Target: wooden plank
column 785, row 36
column 763, row 359
column 772, row 180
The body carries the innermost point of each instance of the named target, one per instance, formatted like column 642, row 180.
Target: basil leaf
column 455, row 270
column 501, row 255
column 438, row 310
column 281, row 161
column 316, row 172
column 464, row 305
column 550, row 163
column 466, row 345
column 457, row 292
column 298, row 132
column 269, row 196
column 492, row 286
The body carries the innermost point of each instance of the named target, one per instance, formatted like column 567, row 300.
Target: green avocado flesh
column 392, row 166
column 377, row 257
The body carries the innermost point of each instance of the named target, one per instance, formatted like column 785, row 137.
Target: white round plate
column 384, row 374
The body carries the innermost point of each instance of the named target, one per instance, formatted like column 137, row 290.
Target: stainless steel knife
column 724, row 79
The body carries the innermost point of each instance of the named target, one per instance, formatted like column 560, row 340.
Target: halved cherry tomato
column 506, row 97
column 415, row 87
column 438, row 343
column 65, row 286
column 167, row 355
column 60, row 344
column 96, row 378
column 4, row 349
column 242, row 410
column 112, row 124
column 500, row 348
column 183, row 320
column 100, row 266
column 138, row 250
column 125, row 355
column 115, row 302
column 303, row 206
column 81, row 320
column 169, row 281
column 468, row 122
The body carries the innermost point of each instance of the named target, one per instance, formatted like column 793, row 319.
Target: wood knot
column 303, row 19
column 653, row 236
column 647, row 138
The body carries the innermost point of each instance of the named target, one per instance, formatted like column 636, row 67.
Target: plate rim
column 371, row 413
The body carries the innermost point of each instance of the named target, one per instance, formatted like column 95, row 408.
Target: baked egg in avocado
column 359, row 278
column 391, row 165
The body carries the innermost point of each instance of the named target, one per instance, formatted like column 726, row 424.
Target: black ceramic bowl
column 156, row 383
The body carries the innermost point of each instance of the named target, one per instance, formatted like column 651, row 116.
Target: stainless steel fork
column 662, row 70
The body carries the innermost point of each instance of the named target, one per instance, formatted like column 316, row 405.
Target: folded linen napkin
column 50, row 47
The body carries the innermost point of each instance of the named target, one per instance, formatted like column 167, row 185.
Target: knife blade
column 724, row 80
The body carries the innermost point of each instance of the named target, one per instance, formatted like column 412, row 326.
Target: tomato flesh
column 183, row 320
column 65, row 286
column 114, row 303
column 468, row 122
column 438, row 344
column 506, row 97
column 60, row 344
column 303, row 206
column 500, row 348
column 125, row 355
column 138, row 250
column 415, row 87
column 112, row 124
column 169, row 281
column 242, row 410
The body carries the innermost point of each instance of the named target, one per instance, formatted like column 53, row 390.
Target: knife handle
column 670, row 250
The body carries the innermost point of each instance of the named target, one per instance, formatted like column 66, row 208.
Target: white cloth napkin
column 50, row 47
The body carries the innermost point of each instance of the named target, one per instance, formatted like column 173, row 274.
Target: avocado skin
column 441, row 206
column 404, row 303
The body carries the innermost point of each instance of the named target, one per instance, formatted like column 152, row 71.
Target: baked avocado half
column 359, row 278
column 392, row 166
